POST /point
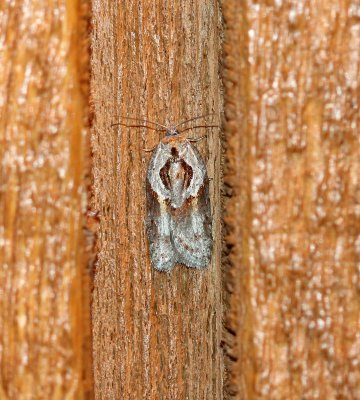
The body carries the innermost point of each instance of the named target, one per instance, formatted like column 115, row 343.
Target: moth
column 178, row 220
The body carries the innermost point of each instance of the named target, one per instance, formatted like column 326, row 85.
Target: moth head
column 172, row 131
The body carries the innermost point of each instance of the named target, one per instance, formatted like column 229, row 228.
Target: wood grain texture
column 44, row 312
column 293, row 214
column 156, row 335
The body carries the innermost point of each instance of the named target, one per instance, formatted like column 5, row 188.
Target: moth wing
column 199, row 175
column 158, row 160
column 192, row 237
column 158, row 224
column 192, row 226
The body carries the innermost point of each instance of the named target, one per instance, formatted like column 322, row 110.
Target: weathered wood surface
column 293, row 217
column 44, row 312
column 156, row 335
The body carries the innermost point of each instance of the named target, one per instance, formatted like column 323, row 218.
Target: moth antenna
column 139, row 126
column 193, row 119
column 200, row 126
column 146, row 121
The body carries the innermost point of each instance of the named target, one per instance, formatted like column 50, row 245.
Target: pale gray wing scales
column 192, row 229
column 192, row 157
column 158, row 222
column 158, row 160
column 192, row 240
column 162, row 253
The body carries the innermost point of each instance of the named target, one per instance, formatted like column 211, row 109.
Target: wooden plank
column 44, row 293
column 156, row 335
column 292, row 112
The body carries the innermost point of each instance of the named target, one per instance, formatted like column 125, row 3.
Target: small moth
column 178, row 220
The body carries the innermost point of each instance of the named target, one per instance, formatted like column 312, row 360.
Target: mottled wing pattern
column 158, row 221
column 161, row 155
column 191, row 232
column 179, row 217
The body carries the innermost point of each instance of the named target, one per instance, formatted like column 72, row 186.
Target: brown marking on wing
column 164, row 175
column 188, row 174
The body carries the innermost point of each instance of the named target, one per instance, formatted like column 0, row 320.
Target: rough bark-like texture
column 44, row 313
column 156, row 335
column 293, row 218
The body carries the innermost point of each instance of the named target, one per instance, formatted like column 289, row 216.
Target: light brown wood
column 44, row 313
column 156, row 335
column 292, row 218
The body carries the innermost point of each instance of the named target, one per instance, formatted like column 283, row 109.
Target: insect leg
column 192, row 140
column 150, row 150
